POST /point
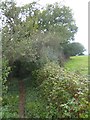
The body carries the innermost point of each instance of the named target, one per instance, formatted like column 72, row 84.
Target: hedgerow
column 66, row 93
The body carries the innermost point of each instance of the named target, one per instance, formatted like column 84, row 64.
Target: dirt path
column 21, row 99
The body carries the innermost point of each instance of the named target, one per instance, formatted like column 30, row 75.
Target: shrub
column 3, row 79
column 65, row 92
column 5, row 73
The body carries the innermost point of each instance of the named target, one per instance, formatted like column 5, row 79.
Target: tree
column 73, row 49
column 33, row 35
column 58, row 27
column 16, row 32
column 59, row 20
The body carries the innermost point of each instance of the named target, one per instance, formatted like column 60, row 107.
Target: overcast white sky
column 80, row 10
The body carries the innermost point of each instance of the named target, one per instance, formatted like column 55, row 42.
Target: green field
column 78, row 64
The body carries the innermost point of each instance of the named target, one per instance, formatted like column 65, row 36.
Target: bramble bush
column 65, row 92
column 5, row 73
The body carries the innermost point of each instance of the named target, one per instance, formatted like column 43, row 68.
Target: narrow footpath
column 21, row 99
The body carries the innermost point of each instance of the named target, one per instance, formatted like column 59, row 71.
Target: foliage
column 11, row 100
column 5, row 72
column 34, row 107
column 10, row 107
column 15, row 40
column 24, row 27
column 73, row 49
column 58, row 19
column 34, row 41
column 64, row 92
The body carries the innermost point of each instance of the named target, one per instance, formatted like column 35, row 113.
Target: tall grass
column 78, row 64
